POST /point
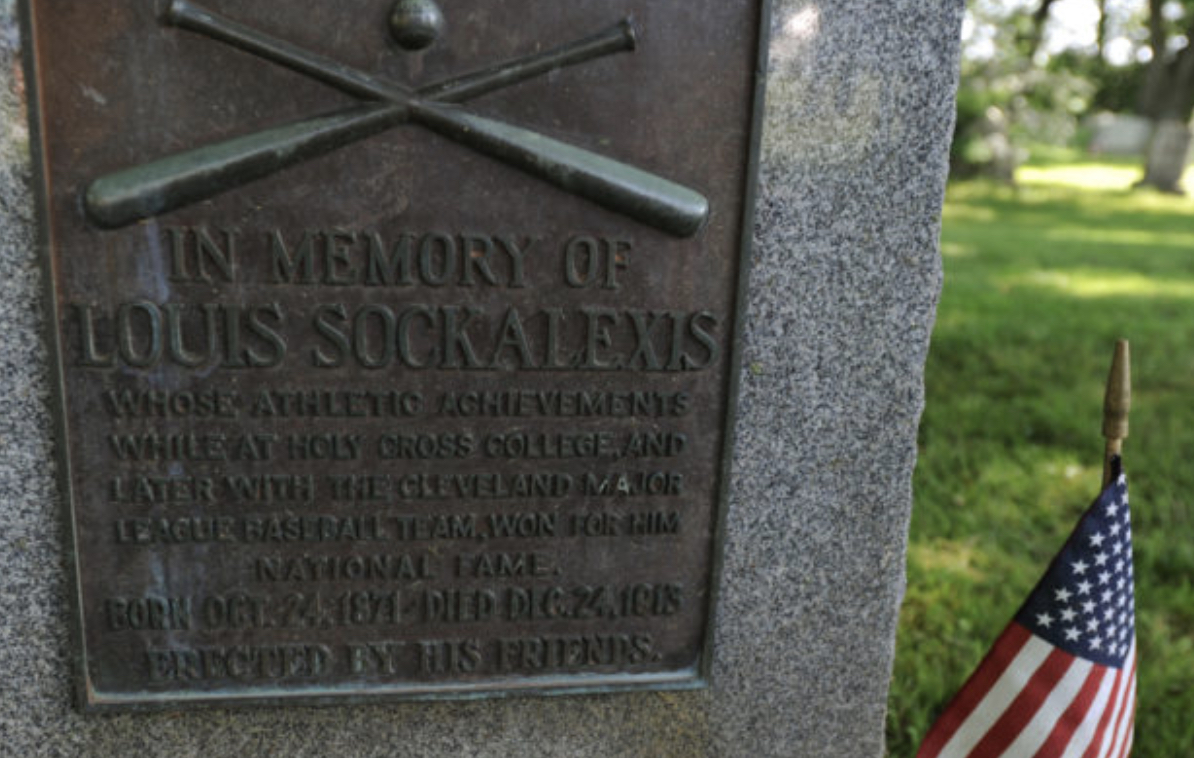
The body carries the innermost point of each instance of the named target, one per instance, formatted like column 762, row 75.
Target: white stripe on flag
column 1086, row 731
column 1125, row 742
column 1124, row 698
column 1128, row 747
column 1041, row 726
column 997, row 699
column 1123, row 715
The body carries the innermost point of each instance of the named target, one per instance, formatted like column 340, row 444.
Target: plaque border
column 89, row 701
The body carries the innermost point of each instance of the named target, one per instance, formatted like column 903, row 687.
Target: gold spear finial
column 1116, row 405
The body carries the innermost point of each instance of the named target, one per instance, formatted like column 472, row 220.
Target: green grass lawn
column 1040, row 280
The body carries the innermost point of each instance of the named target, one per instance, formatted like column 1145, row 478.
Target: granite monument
column 836, row 322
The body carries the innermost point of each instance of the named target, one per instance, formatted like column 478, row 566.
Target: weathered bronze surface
column 396, row 341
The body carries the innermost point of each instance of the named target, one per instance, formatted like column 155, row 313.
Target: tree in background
column 1036, row 35
column 1168, row 93
column 1019, row 86
column 1005, row 99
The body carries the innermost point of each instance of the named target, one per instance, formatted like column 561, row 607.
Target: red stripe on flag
column 1131, row 732
column 1097, row 741
column 1129, row 704
column 1069, row 722
column 1005, row 650
column 1005, row 731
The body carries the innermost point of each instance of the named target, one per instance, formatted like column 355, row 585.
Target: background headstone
column 845, row 280
column 1119, row 133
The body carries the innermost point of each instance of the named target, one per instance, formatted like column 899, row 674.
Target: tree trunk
column 1154, row 81
column 1033, row 40
column 1101, row 31
column 1168, row 154
column 1169, row 92
column 1180, row 101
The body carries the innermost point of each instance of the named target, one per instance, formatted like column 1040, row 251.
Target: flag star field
column 1060, row 681
column 1085, row 603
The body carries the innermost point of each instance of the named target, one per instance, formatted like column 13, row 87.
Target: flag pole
column 1116, row 404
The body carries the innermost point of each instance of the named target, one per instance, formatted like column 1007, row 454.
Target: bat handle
column 620, row 37
column 124, row 197
column 616, row 186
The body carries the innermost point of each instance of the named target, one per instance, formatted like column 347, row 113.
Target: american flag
column 1061, row 679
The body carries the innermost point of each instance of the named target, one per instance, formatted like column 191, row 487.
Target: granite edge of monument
column 852, row 172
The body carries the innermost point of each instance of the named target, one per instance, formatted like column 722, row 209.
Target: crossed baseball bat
column 142, row 191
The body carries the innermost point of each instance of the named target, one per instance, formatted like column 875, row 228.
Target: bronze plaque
column 396, row 341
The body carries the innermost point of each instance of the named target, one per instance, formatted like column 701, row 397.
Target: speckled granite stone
column 845, row 280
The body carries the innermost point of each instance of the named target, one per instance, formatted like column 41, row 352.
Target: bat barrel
column 124, row 197
column 614, row 185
